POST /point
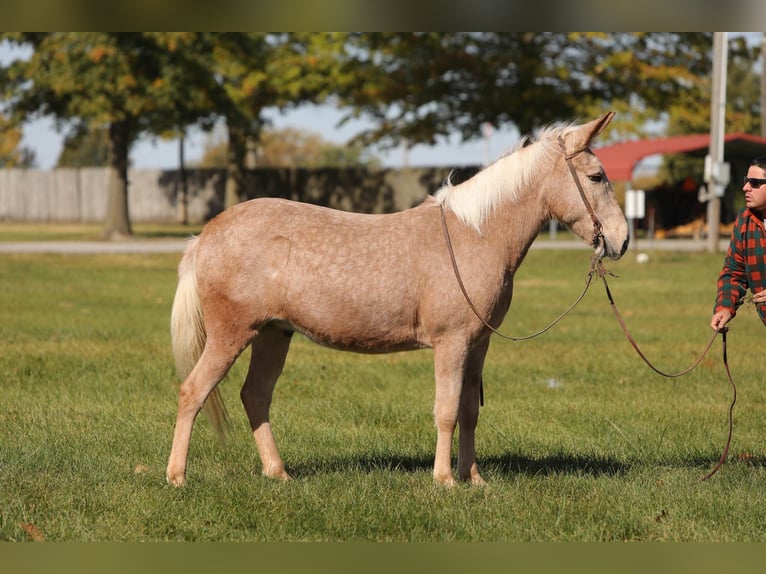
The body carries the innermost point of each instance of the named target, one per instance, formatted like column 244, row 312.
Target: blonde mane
column 474, row 200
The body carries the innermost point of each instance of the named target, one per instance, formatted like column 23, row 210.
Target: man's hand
column 722, row 317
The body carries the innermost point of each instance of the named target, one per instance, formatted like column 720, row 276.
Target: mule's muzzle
column 624, row 247
column 604, row 248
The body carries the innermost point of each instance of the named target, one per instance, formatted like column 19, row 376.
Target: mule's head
column 591, row 210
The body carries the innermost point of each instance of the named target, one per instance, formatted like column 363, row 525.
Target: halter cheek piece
column 598, row 235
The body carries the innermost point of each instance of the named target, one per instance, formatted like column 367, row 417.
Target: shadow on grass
column 362, row 463
column 514, row 464
column 561, row 463
column 507, row 465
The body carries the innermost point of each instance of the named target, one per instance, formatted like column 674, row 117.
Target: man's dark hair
column 759, row 162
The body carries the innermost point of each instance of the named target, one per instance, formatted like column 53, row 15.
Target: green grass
column 88, row 232
column 578, row 439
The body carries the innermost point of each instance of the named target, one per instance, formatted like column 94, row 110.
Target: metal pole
column 717, row 130
column 763, row 85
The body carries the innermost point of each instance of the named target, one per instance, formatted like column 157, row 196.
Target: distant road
column 178, row 245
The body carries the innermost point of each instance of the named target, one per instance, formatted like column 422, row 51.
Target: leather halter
column 598, row 233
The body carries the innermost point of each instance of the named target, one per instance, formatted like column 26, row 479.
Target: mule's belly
column 373, row 341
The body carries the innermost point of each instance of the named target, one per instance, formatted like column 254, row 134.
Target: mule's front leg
column 468, row 416
column 449, row 367
column 467, row 467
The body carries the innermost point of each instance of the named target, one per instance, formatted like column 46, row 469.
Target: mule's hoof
column 478, row 481
column 445, row 481
column 279, row 474
column 177, row 481
column 474, row 479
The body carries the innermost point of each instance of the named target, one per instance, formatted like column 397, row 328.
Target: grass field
column 578, row 439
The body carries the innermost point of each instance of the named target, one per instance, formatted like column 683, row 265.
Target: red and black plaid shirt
column 745, row 264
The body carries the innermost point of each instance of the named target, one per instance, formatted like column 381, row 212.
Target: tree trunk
column 235, row 160
column 117, row 224
column 183, row 190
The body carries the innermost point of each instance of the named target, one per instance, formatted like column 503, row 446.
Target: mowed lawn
column 578, row 439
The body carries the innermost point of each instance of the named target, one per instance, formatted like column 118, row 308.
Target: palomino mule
column 379, row 283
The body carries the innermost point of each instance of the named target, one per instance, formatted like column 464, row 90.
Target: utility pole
column 716, row 171
column 763, row 85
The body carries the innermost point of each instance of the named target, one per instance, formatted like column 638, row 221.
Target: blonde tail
column 187, row 333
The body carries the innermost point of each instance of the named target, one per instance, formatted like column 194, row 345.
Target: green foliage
column 690, row 110
column 423, row 86
column 85, row 149
column 579, row 441
column 12, row 153
column 292, row 148
column 159, row 83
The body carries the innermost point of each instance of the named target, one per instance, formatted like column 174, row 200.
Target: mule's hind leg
column 211, row 367
column 269, row 352
column 468, row 416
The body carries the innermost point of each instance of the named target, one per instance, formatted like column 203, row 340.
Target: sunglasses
column 754, row 182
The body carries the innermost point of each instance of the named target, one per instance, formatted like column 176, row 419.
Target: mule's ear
column 582, row 136
column 600, row 124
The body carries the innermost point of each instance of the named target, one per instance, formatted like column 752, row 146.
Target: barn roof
column 620, row 159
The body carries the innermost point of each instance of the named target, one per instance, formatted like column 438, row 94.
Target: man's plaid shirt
column 745, row 264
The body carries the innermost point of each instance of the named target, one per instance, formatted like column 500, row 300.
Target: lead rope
column 476, row 311
column 602, row 273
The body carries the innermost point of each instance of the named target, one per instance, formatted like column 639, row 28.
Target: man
column 745, row 264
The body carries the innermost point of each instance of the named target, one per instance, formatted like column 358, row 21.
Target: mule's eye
column 597, row 178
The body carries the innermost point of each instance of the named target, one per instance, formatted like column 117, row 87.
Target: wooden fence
column 79, row 195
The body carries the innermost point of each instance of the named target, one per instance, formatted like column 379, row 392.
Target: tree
column 293, row 148
column 690, row 112
column 130, row 84
column 12, row 153
column 255, row 71
column 126, row 84
column 424, row 86
column 85, row 149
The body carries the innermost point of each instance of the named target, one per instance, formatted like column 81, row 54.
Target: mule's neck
column 517, row 213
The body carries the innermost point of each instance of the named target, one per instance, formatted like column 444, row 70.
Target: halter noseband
column 598, row 235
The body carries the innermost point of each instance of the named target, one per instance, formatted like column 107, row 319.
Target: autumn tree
column 12, row 152
column 85, row 149
column 253, row 72
column 420, row 87
column 127, row 84
column 292, row 148
column 690, row 111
